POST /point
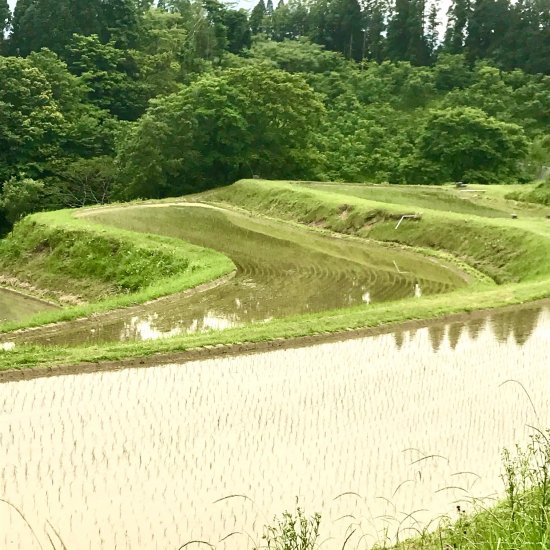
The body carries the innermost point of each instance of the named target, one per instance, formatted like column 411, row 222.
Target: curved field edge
column 107, row 268
column 516, row 253
column 506, row 250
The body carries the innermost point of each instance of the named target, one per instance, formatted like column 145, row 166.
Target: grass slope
column 105, row 267
column 515, row 253
column 504, row 249
column 537, row 195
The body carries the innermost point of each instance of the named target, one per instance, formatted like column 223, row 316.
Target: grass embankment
column 538, row 195
column 515, row 253
column 508, row 251
column 68, row 259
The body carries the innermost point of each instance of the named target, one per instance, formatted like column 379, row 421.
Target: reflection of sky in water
column 145, row 328
column 282, row 271
column 509, row 325
column 143, row 458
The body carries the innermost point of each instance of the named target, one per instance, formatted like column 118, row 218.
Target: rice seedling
column 123, row 458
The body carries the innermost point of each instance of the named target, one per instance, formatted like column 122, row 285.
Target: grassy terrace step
column 105, row 267
column 514, row 253
column 506, row 250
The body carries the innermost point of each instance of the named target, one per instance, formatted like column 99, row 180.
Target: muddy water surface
column 281, row 270
column 140, row 458
column 16, row 307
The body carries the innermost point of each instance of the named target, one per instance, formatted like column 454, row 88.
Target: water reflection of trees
column 399, row 337
column 437, row 335
column 519, row 323
column 454, row 332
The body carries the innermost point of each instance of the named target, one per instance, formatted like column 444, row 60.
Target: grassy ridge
column 539, row 195
column 513, row 252
column 506, row 250
column 105, row 266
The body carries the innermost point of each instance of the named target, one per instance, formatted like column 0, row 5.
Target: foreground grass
column 514, row 253
column 521, row 521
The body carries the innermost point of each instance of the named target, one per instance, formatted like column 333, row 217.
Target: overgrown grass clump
column 73, row 257
column 521, row 521
column 539, row 195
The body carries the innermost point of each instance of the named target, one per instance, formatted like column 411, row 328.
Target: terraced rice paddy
column 281, row 270
column 469, row 201
column 364, row 431
column 14, row 306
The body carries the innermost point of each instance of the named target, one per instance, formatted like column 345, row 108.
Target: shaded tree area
column 118, row 99
column 509, row 34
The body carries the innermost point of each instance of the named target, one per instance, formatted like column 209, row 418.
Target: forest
column 104, row 100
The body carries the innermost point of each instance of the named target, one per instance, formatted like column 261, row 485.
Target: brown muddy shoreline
column 249, row 348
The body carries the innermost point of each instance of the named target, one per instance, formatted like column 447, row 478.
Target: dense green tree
column 19, row 10
column 119, row 22
column 21, row 196
column 527, row 40
column 88, row 131
column 290, row 20
column 221, row 128
column 31, row 124
column 42, row 23
column 338, row 25
column 298, row 56
column 110, row 74
column 451, row 71
column 375, row 27
column 239, row 36
column 162, row 45
column 432, row 31
column 469, row 145
column 216, row 19
column 51, row 23
column 365, row 143
column 406, row 40
column 487, row 28
column 530, row 101
column 488, row 91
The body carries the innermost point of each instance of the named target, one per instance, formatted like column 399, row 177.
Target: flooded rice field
column 15, row 306
column 363, row 431
column 281, row 270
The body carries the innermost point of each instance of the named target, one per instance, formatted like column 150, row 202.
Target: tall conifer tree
column 375, row 27
column 257, row 16
column 458, row 16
